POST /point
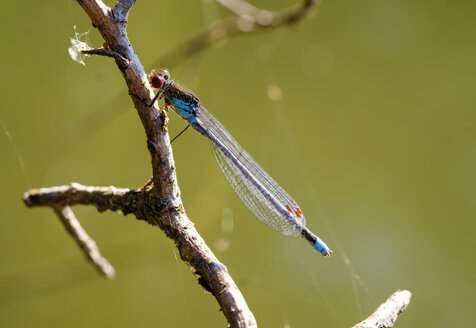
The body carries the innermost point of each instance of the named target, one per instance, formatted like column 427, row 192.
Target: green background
column 374, row 135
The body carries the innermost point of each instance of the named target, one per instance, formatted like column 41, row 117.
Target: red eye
column 156, row 82
column 105, row 46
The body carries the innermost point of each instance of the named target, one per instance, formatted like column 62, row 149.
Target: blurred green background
column 364, row 112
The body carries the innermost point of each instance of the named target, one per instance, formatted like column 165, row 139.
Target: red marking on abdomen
column 293, row 201
column 298, row 214
column 299, row 210
column 289, row 209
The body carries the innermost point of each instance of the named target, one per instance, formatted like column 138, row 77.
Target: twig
column 86, row 243
column 104, row 198
column 123, row 7
column 239, row 7
column 123, row 62
column 387, row 313
column 250, row 19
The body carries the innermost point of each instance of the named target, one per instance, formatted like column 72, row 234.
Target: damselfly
column 260, row 193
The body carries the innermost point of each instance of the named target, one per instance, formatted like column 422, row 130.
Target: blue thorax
column 185, row 109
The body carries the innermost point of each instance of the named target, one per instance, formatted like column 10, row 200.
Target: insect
column 260, row 193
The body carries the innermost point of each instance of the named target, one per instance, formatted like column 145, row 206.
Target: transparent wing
column 253, row 198
column 260, row 193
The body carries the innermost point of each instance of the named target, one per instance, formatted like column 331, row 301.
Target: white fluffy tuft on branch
column 76, row 51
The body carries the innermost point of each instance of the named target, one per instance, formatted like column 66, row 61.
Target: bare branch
column 108, row 53
column 122, row 9
column 239, row 7
column 387, row 313
column 250, row 19
column 158, row 202
column 147, row 205
column 86, row 243
column 104, row 198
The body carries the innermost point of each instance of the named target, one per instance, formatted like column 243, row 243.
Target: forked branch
column 158, row 202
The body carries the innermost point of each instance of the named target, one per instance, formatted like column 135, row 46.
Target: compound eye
column 156, row 82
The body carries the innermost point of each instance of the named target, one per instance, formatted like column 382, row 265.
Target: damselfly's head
column 158, row 78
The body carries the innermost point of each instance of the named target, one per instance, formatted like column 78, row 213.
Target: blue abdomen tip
column 321, row 247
